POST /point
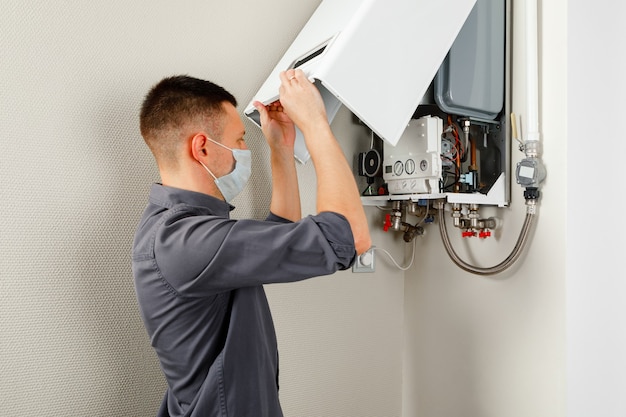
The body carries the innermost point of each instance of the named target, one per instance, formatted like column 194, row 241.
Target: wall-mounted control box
column 398, row 64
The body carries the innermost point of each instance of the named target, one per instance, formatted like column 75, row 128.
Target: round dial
column 423, row 165
column 398, row 167
column 409, row 166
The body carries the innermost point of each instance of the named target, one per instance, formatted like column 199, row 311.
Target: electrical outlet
column 365, row 262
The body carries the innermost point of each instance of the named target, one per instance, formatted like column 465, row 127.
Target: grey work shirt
column 199, row 279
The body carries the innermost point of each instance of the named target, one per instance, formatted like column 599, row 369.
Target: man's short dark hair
column 176, row 102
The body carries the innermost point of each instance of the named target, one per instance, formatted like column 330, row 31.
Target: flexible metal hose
column 510, row 260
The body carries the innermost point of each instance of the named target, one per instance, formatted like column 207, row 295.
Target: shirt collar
column 168, row 197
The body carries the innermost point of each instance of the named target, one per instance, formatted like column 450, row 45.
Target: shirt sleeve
column 276, row 218
column 200, row 255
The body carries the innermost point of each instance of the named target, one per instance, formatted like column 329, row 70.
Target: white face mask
column 230, row 185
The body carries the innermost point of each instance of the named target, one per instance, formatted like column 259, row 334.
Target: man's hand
column 277, row 127
column 302, row 100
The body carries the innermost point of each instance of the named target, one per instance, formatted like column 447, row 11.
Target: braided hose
column 496, row 269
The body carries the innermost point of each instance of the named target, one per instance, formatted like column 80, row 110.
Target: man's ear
column 198, row 146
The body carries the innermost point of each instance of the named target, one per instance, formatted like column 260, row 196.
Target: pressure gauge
column 409, row 166
column 398, row 168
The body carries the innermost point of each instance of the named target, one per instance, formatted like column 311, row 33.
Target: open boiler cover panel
column 376, row 57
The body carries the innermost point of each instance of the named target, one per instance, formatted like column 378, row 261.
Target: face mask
column 230, row 185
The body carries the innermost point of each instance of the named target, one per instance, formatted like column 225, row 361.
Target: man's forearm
column 285, row 192
column 336, row 187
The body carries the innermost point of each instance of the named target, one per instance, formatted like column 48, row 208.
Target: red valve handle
column 387, row 223
column 468, row 233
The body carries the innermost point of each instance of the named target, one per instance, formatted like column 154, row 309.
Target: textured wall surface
column 74, row 176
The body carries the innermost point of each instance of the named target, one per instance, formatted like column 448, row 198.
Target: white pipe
column 532, row 73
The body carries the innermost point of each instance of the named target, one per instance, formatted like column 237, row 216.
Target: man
column 199, row 275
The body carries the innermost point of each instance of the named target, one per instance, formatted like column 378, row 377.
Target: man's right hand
column 301, row 100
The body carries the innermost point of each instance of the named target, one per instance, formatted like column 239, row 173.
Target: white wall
column 596, row 311
column 494, row 346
